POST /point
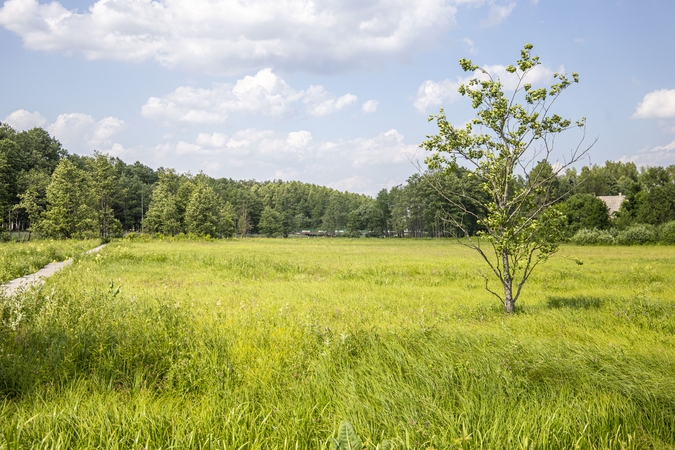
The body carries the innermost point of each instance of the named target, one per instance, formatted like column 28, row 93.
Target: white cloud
column 657, row 105
column 385, row 148
column 320, row 103
column 370, row 106
column 76, row 131
column 24, row 120
column 470, row 44
column 436, row 93
column 661, row 155
column 264, row 93
column 498, row 13
column 266, row 146
column 355, row 183
column 229, row 36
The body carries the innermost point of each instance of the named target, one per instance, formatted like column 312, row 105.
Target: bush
column 593, row 237
column 637, row 235
column 667, row 234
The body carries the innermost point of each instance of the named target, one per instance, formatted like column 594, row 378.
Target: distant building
column 613, row 202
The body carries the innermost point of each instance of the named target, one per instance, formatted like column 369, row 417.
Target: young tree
column 503, row 146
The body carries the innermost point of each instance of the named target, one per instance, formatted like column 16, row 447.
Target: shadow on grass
column 579, row 302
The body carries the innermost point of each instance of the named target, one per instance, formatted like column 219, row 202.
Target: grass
column 265, row 344
column 22, row 258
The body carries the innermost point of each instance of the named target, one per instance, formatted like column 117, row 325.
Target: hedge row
column 636, row 235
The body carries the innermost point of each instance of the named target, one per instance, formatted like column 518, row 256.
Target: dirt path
column 12, row 287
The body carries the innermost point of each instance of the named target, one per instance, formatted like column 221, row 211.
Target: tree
column 104, row 189
column 271, row 222
column 502, row 146
column 163, row 215
column 10, row 167
column 34, row 196
column 70, row 211
column 584, row 211
column 202, row 214
column 226, row 223
column 367, row 217
column 656, row 206
column 335, row 214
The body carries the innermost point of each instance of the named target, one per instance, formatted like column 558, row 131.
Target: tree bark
column 509, row 303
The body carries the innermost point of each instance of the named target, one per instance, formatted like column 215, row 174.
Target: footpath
column 18, row 284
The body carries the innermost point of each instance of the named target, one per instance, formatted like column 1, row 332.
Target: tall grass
column 265, row 344
column 22, row 258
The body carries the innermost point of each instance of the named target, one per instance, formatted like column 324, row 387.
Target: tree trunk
column 509, row 303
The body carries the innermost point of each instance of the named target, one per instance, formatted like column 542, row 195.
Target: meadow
column 272, row 343
column 22, row 258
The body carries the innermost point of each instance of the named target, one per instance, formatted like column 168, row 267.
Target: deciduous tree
column 503, row 146
column 202, row 214
column 70, row 204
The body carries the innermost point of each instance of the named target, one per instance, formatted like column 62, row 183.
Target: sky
column 331, row 92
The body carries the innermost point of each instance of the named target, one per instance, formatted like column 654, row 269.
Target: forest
column 44, row 189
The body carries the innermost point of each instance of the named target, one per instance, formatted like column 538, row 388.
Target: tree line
column 47, row 190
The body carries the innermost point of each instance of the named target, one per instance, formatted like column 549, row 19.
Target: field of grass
column 270, row 344
column 22, row 258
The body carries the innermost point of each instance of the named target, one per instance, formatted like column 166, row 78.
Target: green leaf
column 385, row 445
column 347, row 438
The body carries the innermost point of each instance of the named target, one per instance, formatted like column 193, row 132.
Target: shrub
column 637, row 235
column 667, row 234
column 593, row 237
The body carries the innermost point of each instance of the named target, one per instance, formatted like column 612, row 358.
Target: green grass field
column 266, row 344
column 22, row 258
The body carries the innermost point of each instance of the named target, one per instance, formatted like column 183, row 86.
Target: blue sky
column 332, row 92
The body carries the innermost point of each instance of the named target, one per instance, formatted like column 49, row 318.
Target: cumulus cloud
column 436, row 93
column 370, row 106
column 661, row 155
column 320, row 103
column 264, row 93
column 76, row 131
column 657, row 105
column 385, row 148
column 230, row 36
column 25, row 120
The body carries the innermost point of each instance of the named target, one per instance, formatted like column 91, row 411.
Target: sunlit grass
column 272, row 343
column 22, row 258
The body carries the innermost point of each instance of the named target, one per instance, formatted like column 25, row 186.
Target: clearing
column 263, row 344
